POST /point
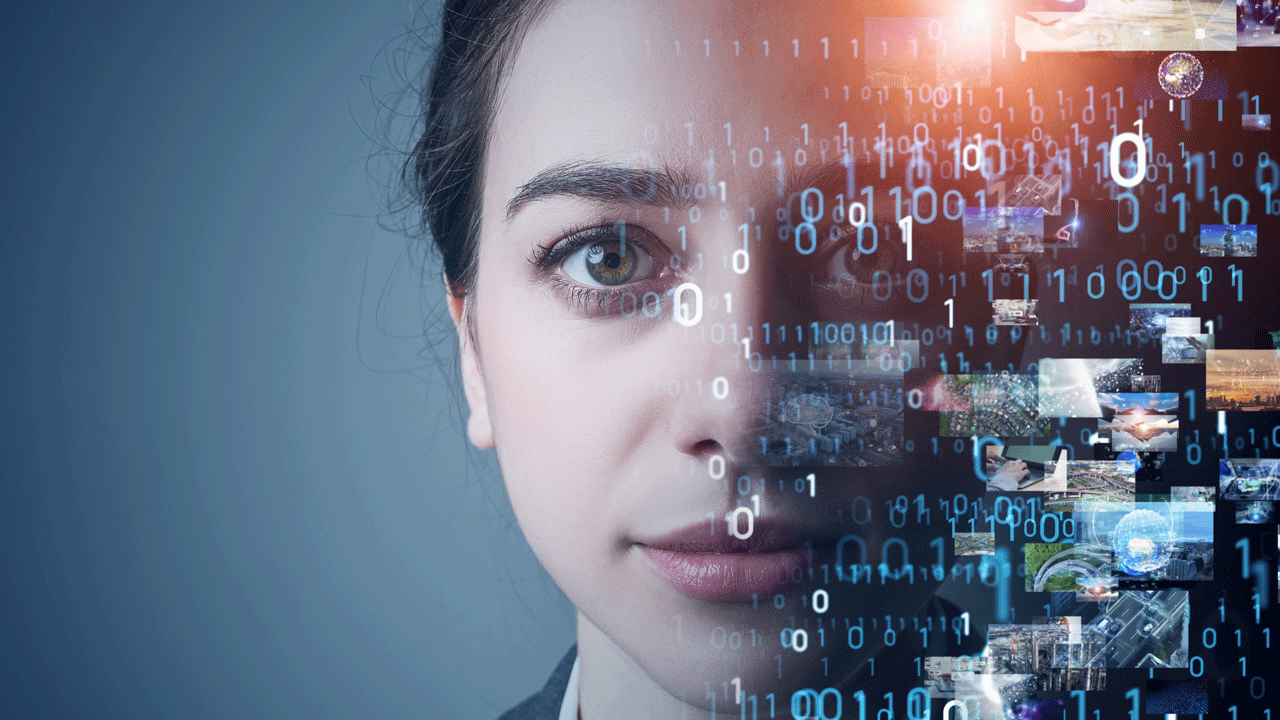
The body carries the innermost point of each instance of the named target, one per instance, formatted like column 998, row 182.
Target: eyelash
column 549, row 257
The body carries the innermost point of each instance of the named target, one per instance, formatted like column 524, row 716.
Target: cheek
column 570, row 418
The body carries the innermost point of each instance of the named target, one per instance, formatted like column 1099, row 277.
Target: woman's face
column 624, row 438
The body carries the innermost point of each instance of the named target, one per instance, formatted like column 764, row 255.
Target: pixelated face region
column 756, row 286
column 663, row 235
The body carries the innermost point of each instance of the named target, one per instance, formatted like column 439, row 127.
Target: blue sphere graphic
column 1142, row 541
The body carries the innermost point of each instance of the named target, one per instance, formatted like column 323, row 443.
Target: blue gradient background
column 232, row 482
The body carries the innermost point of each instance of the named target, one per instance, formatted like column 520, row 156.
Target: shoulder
column 545, row 704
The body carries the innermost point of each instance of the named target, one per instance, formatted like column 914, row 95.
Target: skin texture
column 598, row 454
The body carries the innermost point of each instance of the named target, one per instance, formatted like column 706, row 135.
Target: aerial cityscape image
column 1242, row 380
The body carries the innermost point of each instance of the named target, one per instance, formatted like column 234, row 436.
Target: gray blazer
column 545, row 704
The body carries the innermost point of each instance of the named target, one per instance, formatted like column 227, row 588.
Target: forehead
column 658, row 81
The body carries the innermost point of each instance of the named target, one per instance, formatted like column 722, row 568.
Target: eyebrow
column 606, row 183
column 822, row 176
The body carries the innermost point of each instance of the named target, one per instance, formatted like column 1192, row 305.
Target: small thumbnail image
column 1101, row 480
column 831, row 418
column 1082, row 223
column 1255, row 123
column 1182, row 326
column 1161, row 542
column 1144, row 383
column 1046, row 571
column 1185, row 349
column 975, row 543
column 1036, row 468
column 1010, row 230
column 1229, row 240
column 1051, row 656
column 1069, row 387
column 1246, row 380
column 1151, row 318
column 1255, row 512
column 945, row 393
column 1004, row 405
column 1148, row 433
column 1251, row 24
column 1193, row 493
column 1014, row 312
column 1137, row 404
column 1012, row 263
column 1248, row 479
column 941, row 672
column 1042, row 191
column 1080, row 26
column 1094, row 481
column 1098, row 589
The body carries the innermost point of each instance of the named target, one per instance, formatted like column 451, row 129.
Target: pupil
column 612, row 261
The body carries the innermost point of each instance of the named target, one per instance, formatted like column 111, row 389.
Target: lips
column 704, row 562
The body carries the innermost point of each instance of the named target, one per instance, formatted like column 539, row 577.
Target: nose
column 785, row 378
column 742, row 355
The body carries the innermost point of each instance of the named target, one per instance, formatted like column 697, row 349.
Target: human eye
column 596, row 266
column 855, row 262
column 604, row 257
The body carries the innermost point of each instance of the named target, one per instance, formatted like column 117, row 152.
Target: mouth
column 705, row 562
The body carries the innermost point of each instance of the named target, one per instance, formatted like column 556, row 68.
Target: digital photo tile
column 1004, row 405
column 1030, row 468
column 1069, row 387
column 1180, row 75
column 1159, row 544
column 1034, row 191
column 1142, row 25
column 1137, row 405
column 1009, row 230
column 941, row 673
column 1179, row 326
column 1256, row 123
column 1242, row 380
column 944, row 393
column 974, row 543
column 1014, row 312
column 1193, row 493
column 832, row 418
column 1229, row 240
column 1064, row 578
column 1150, row 319
column 1098, row 481
column 1255, row 512
column 1056, row 656
column 1249, row 479
column 1185, row 349
column 1145, row 384
column 1146, row 629
column 1146, row 433
column 1255, row 24
column 1098, row 589
column 1082, row 223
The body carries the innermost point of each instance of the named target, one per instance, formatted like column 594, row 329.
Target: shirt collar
column 569, row 706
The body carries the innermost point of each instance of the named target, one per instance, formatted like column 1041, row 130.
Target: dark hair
column 444, row 173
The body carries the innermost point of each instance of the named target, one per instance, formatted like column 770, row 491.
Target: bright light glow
column 976, row 12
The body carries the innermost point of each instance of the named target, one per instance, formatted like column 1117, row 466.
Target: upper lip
column 768, row 535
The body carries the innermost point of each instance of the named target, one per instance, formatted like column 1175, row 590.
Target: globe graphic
column 1180, row 75
column 1142, row 542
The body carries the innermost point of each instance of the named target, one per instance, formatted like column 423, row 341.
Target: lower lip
column 729, row 577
